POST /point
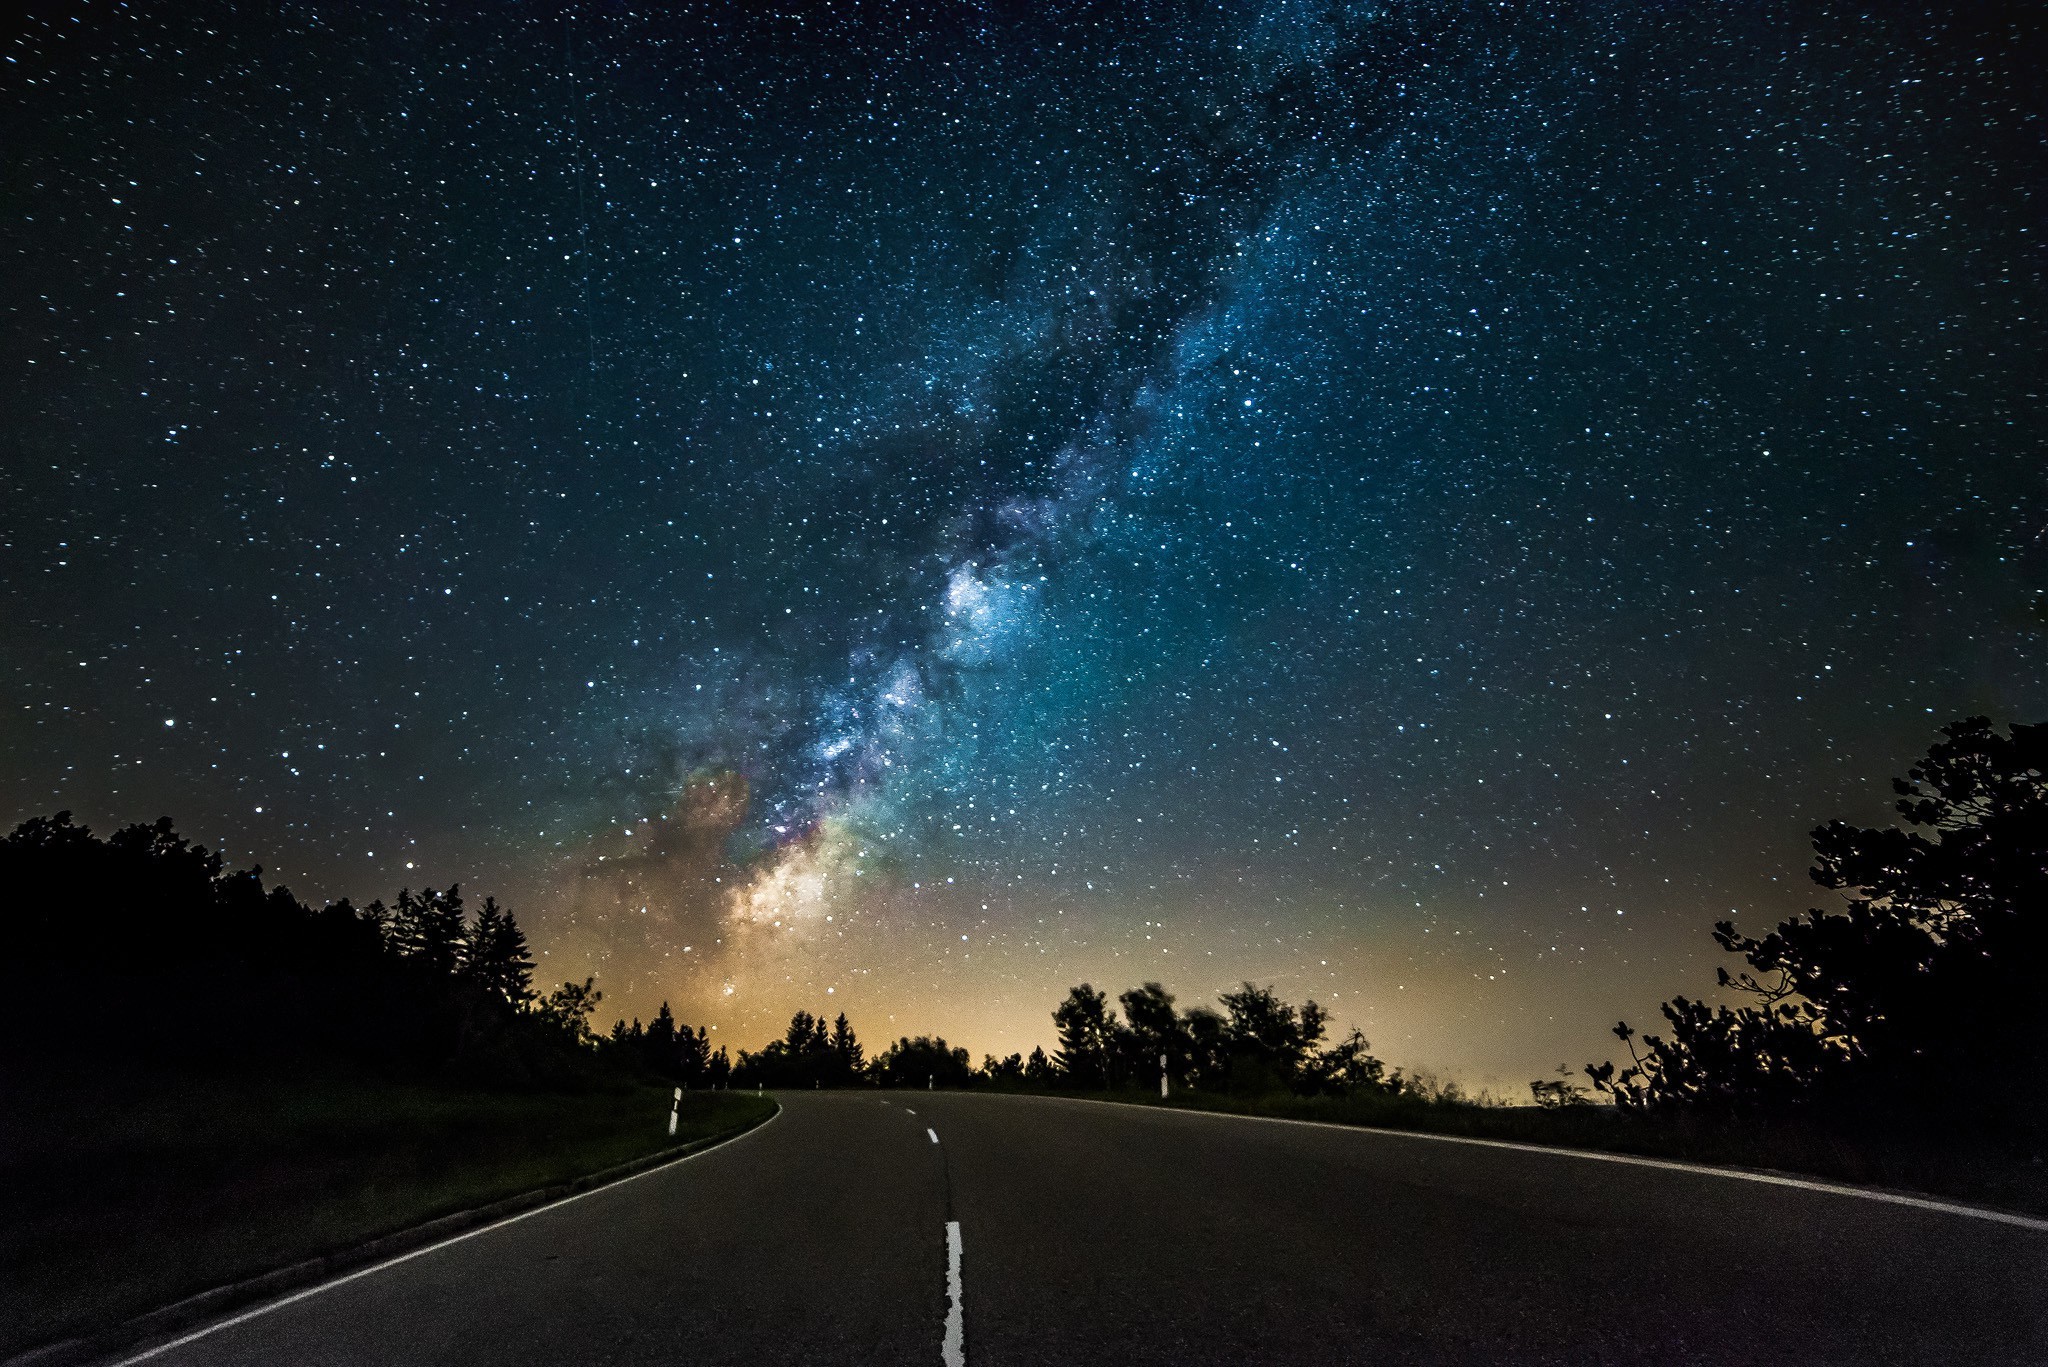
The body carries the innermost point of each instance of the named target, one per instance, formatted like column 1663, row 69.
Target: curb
column 207, row 1305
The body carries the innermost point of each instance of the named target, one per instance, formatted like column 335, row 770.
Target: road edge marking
column 306, row 1293
column 953, row 1349
column 1895, row 1198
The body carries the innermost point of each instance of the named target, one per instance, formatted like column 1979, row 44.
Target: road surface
column 1088, row 1233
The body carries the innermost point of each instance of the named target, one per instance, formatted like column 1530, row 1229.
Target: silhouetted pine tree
column 846, row 1051
column 661, row 1039
column 496, row 958
column 693, row 1053
column 429, row 929
column 1086, row 1029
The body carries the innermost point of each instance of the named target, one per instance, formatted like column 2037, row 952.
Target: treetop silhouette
column 1919, row 999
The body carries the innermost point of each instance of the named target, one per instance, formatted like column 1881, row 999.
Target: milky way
column 911, row 508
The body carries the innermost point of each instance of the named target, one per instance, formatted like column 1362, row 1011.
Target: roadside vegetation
column 207, row 1079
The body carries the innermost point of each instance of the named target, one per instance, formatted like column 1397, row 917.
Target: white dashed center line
column 953, row 1352
column 933, row 1133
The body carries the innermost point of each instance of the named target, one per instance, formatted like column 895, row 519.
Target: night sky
column 904, row 508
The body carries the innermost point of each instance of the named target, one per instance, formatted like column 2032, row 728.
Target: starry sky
column 905, row 507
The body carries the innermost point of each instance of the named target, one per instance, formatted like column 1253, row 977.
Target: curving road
column 1088, row 1233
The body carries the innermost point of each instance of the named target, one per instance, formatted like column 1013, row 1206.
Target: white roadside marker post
column 928, row 1081
column 673, row 1107
column 1162, row 1075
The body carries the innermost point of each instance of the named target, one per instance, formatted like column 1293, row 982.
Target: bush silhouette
column 1919, row 1000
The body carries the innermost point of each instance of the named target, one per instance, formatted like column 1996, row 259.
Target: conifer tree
column 496, row 958
column 846, row 1050
column 1086, row 1028
column 430, row 928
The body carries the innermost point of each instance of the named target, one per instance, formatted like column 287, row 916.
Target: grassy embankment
column 141, row 1191
column 1955, row 1166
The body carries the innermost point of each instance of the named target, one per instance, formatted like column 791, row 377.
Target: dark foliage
column 923, row 1062
column 1555, row 1093
column 145, row 925
column 1086, row 1028
column 1919, row 1001
column 672, row 1052
column 1263, row 1045
column 808, row 1055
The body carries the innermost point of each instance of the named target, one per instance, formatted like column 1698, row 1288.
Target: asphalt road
column 1108, row 1234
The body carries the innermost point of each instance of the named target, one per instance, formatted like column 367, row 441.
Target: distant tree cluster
column 810, row 1054
column 670, row 1050
column 1256, row 1043
column 145, row 929
column 807, row 1055
column 924, row 1061
column 1920, row 1000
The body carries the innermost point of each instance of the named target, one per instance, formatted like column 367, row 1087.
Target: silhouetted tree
column 1346, row 1067
column 1208, row 1039
column 495, row 956
column 661, row 1037
column 1086, row 1029
column 693, row 1056
column 914, row 1062
column 429, row 929
column 1038, row 1069
column 847, row 1057
column 1152, row 1028
column 1921, row 997
column 1267, row 1040
column 568, row 1009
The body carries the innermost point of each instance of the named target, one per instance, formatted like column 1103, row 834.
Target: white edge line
column 953, row 1351
column 257, row 1311
column 1597, row 1156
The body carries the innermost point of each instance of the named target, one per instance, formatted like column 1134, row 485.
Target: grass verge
column 138, row 1192
column 1955, row 1166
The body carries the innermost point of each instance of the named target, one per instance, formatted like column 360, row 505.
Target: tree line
column 140, row 947
column 810, row 1054
column 1256, row 1043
